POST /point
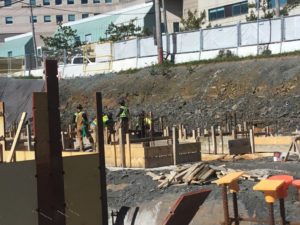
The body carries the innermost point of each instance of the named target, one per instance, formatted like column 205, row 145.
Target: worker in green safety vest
column 123, row 116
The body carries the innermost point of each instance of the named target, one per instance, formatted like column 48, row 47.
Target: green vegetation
column 124, row 31
column 193, row 21
column 65, row 39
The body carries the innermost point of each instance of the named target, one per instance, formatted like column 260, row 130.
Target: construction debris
column 203, row 173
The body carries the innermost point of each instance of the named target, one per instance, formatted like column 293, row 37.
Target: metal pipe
column 271, row 214
column 225, row 205
column 235, row 209
column 282, row 211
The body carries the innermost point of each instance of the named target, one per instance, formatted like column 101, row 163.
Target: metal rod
column 225, row 205
column 235, row 209
column 271, row 214
column 282, row 211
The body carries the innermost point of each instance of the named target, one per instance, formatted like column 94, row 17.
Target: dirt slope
column 198, row 95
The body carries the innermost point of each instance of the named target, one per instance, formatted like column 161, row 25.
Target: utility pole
column 158, row 32
column 277, row 5
column 33, row 31
column 166, row 26
column 257, row 34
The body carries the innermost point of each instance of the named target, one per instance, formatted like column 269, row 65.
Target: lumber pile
column 202, row 173
column 253, row 175
column 198, row 173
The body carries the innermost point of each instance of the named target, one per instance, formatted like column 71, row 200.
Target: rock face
column 263, row 90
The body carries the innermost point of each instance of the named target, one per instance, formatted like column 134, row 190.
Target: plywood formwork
column 139, row 156
column 279, row 140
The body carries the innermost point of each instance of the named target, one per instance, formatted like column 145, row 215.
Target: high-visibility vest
column 94, row 122
column 125, row 112
column 104, row 119
column 148, row 121
column 77, row 114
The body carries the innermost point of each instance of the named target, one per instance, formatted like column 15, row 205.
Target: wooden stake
column 175, row 140
column 222, row 140
column 122, row 148
column 13, row 147
column 128, row 148
column 198, row 132
column 62, row 140
column 214, row 140
column 252, row 141
column 28, row 136
column 194, row 134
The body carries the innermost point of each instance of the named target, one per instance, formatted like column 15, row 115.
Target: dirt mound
column 198, row 95
column 17, row 96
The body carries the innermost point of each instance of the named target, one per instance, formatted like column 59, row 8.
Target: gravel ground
column 137, row 187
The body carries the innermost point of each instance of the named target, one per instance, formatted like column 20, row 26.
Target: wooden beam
column 28, row 132
column 17, row 136
column 128, row 148
column 2, row 130
column 122, row 148
column 252, row 143
column 102, row 172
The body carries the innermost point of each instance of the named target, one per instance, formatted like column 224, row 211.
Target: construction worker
column 109, row 123
column 141, row 124
column 123, row 116
column 94, row 133
column 148, row 124
column 81, row 126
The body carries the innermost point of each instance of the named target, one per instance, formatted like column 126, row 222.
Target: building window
column 34, row 19
column 59, row 19
column 108, row 1
column 70, row 2
column 228, row 11
column 9, row 53
column 176, row 27
column 272, row 4
column 96, row 1
column 7, row 3
column 8, row 20
column 85, row 15
column 88, row 38
column 84, row 1
column 47, row 19
column 46, row 2
column 71, row 17
column 32, row 2
column 58, row 2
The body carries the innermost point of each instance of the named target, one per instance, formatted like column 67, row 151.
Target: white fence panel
column 103, row 52
column 125, row 49
column 147, row 47
column 292, row 28
column 249, row 33
column 264, row 32
column 188, row 42
column 218, row 38
column 276, row 30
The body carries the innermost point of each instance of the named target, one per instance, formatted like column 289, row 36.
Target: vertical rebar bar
column 282, row 211
column 235, row 209
column 225, row 205
column 271, row 214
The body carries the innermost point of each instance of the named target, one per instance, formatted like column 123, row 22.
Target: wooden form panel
column 82, row 190
column 239, row 146
column 18, row 196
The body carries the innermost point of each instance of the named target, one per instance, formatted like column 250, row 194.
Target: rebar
column 225, row 205
column 282, row 211
column 235, row 209
column 271, row 214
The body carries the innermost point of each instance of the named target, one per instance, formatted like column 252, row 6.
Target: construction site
column 221, row 146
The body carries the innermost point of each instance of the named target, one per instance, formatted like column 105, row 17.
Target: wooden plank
column 174, row 145
column 2, row 130
column 122, row 148
column 128, row 148
column 17, row 136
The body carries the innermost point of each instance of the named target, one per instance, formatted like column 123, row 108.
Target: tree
column 122, row 32
column 65, row 39
column 270, row 13
column 193, row 20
